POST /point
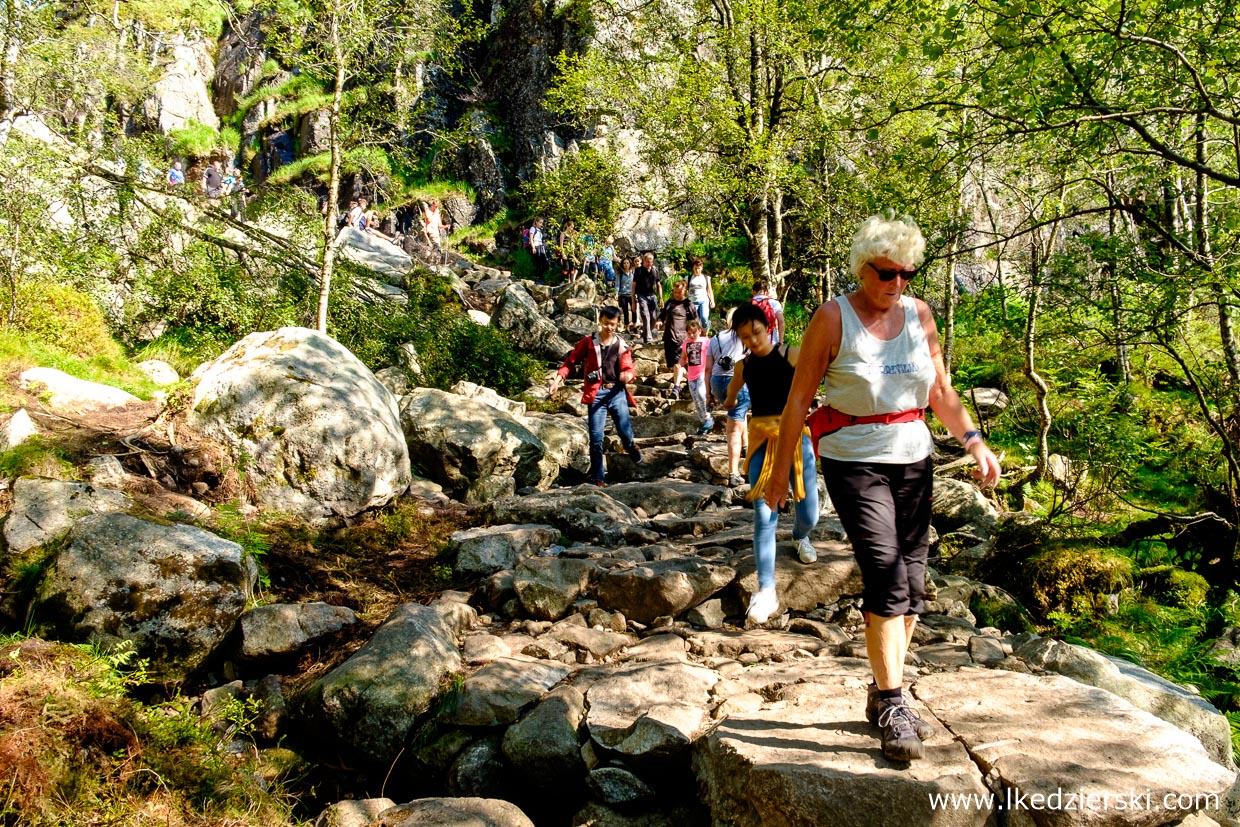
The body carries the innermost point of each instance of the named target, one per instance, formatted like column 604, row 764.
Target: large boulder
column 389, row 263
column 801, row 748
column 681, row 498
column 566, row 438
column 476, row 452
column 1140, row 687
column 804, row 587
column 174, row 591
column 371, row 701
column 667, row 587
column 44, row 510
column 498, row 692
column 518, row 313
column 284, row 629
column 320, row 434
column 1042, row 736
column 548, row 586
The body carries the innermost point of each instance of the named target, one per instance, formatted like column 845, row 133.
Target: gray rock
column 161, row 373
column 322, row 435
column 1143, row 689
column 545, row 744
column 371, row 701
column 388, row 262
column 498, row 692
column 958, row 503
column 681, row 498
column 353, row 813
column 472, row 449
column 803, row 588
column 987, row 398
column 665, row 425
column 708, row 615
column 44, row 510
column 595, row 814
column 615, row 785
column 575, row 328
column 598, row 642
column 565, row 438
column 517, row 313
column 548, row 586
column 668, row 587
column 808, row 752
column 659, row 647
column 489, row 397
column 69, row 394
column 484, row 648
column 986, row 650
column 272, row 709
column 763, row 643
column 395, row 379
column 480, row 770
column 17, row 430
column 581, row 513
column 455, row 812
column 486, row 550
column 1048, row 734
column 283, row 629
column 182, row 92
column 175, row 591
column 650, row 711
column 942, row 628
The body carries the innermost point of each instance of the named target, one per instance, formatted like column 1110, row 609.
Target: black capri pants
column 885, row 509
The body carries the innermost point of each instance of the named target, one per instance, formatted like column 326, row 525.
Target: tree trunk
column 8, row 58
column 333, row 181
column 949, row 308
column 1039, row 384
column 1117, row 297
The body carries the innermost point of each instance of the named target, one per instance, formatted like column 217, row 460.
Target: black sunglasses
column 888, row 275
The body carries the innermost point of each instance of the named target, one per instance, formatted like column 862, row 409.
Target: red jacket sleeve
column 575, row 355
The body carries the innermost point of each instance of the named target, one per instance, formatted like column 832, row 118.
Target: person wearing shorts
column 879, row 352
column 722, row 354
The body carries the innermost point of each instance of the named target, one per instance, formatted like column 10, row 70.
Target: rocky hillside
column 589, row 665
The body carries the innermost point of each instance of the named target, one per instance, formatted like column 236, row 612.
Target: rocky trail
column 590, row 667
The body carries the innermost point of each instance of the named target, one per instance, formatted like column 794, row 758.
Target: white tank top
column 873, row 376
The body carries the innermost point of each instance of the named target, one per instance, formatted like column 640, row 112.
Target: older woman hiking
column 879, row 351
column 767, row 372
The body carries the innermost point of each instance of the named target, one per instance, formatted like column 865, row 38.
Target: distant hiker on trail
column 359, row 218
column 433, row 227
column 607, row 363
column 693, row 363
column 701, row 293
column 761, row 299
column 372, row 227
column 175, row 176
column 605, row 266
column 674, row 320
column 722, row 355
column 646, row 296
column 767, row 371
column 566, row 246
column 624, row 291
column 537, row 241
column 879, row 352
column 213, row 180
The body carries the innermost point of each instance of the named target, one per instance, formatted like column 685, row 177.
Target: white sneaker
column 806, row 550
column 762, row 605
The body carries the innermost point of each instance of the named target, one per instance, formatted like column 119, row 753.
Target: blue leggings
column 765, row 520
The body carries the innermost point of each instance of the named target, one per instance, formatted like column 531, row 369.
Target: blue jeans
column 719, row 392
column 703, row 313
column 765, row 520
column 609, row 400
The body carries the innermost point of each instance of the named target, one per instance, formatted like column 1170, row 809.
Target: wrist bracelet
column 968, row 436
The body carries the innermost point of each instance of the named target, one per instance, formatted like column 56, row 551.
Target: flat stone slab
column 1047, row 735
column 497, row 692
column 804, row 587
column 762, row 642
column 808, row 757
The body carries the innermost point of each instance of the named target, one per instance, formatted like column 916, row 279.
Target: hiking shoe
column 735, row 480
column 706, row 428
column 762, row 605
column 675, row 391
column 899, row 738
column 600, row 483
column 635, row 454
column 806, row 550
column 873, row 707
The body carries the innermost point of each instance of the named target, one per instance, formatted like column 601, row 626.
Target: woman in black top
column 767, row 371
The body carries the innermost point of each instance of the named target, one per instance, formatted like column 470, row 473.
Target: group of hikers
column 431, row 228
column 879, row 353
column 215, row 182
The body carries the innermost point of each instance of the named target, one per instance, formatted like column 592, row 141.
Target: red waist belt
column 827, row 420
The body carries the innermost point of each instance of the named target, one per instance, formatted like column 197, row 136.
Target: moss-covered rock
column 1075, row 578
column 1174, row 586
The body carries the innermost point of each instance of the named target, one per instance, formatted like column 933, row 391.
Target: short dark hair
column 748, row 313
column 609, row 312
column 759, row 286
column 695, row 261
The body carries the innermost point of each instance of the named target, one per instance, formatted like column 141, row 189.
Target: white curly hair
column 887, row 235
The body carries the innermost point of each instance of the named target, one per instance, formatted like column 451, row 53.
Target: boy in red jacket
column 608, row 365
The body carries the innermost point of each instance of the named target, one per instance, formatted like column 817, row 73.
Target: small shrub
column 1175, row 587
column 194, row 140
column 1075, row 579
column 453, row 347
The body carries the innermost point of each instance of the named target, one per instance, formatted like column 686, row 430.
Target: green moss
column 1075, row 578
column 1173, row 586
column 195, row 140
